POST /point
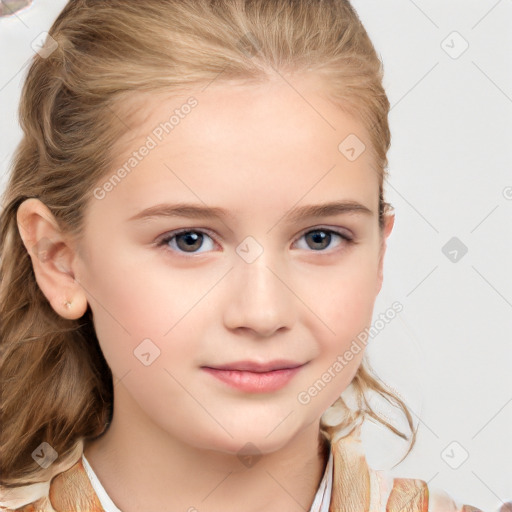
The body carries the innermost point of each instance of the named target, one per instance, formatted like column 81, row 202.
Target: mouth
column 253, row 377
column 256, row 367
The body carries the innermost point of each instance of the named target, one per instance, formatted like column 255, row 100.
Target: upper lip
column 253, row 366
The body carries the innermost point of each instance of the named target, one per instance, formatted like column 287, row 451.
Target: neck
column 165, row 473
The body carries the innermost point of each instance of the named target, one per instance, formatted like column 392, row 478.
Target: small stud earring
column 67, row 304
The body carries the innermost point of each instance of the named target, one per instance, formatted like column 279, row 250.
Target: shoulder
column 414, row 495
column 69, row 490
column 357, row 486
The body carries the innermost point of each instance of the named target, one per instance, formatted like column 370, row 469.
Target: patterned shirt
column 361, row 489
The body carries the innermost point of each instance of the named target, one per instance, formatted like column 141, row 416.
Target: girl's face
column 255, row 283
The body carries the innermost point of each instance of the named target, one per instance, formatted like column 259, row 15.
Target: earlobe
column 52, row 258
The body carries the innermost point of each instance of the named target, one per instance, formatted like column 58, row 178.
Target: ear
column 52, row 255
column 389, row 221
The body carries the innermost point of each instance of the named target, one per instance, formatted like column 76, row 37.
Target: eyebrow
column 193, row 211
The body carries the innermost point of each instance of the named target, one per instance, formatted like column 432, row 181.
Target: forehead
column 283, row 140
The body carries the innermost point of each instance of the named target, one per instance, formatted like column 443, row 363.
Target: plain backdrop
column 448, row 354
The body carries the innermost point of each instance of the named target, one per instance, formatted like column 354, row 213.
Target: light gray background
column 449, row 352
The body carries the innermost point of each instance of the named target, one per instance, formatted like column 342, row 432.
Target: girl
column 192, row 243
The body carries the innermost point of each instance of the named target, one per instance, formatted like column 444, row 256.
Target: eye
column 189, row 240
column 320, row 238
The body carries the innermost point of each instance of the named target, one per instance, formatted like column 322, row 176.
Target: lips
column 256, row 367
column 253, row 377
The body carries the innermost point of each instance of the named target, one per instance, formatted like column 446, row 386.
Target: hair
column 56, row 385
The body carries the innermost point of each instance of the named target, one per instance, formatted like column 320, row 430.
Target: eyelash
column 173, row 234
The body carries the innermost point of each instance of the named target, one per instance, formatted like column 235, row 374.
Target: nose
column 259, row 297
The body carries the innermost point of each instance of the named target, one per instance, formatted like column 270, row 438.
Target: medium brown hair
column 56, row 385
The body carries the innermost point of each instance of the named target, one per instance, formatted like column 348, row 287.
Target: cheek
column 344, row 300
column 345, row 307
column 138, row 316
column 125, row 312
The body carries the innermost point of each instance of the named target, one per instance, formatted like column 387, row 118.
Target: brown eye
column 187, row 241
column 190, row 241
column 320, row 239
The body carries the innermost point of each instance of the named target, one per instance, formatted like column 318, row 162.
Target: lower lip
column 252, row 382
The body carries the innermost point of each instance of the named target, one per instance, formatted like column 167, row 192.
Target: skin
column 257, row 151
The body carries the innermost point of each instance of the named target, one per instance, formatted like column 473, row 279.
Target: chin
column 257, row 439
